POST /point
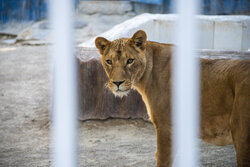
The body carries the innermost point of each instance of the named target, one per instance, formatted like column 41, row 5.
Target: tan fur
column 225, row 92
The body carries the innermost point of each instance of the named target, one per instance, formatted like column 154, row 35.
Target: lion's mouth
column 121, row 93
column 119, row 90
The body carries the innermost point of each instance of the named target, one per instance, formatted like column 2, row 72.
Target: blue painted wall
column 156, row 2
column 210, row 7
column 226, row 6
column 24, row 10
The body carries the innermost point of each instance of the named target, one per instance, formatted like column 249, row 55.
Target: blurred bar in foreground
column 64, row 115
column 186, row 87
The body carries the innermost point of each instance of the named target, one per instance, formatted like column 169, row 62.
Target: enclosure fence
column 64, row 69
column 185, row 86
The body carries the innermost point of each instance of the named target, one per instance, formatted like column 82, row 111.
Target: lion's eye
column 109, row 62
column 130, row 61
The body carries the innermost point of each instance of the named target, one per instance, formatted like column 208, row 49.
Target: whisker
column 127, row 85
column 106, row 85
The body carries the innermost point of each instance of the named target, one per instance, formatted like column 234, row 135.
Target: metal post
column 186, row 87
column 64, row 124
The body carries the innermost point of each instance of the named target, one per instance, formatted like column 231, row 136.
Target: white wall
column 216, row 32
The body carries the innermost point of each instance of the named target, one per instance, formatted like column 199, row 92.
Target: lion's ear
column 139, row 39
column 101, row 44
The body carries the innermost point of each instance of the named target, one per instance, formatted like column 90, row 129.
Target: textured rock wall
column 105, row 7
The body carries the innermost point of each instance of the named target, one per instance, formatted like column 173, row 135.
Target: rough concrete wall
column 216, row 32
column 105, row 7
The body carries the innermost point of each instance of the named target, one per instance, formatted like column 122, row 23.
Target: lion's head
column 124, row 61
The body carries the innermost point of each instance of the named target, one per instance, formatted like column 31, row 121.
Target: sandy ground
column 25, row 130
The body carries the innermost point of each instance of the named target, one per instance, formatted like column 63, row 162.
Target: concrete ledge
column 216, row 32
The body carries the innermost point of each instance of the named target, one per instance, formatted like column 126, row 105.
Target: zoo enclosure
column 185, row 103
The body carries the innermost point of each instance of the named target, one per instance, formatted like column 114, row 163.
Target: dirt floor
column 25, row 130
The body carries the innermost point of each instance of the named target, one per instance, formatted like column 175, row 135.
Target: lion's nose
column 118, row 83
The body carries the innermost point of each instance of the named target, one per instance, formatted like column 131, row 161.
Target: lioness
column 135, row 63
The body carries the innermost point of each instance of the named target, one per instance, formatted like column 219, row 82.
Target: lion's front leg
column 163, row 152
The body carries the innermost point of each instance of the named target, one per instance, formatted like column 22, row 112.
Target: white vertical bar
column 186, row 87
column 64, row 113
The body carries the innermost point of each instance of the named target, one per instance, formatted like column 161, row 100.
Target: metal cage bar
column 64, row 114
column 186, row 87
